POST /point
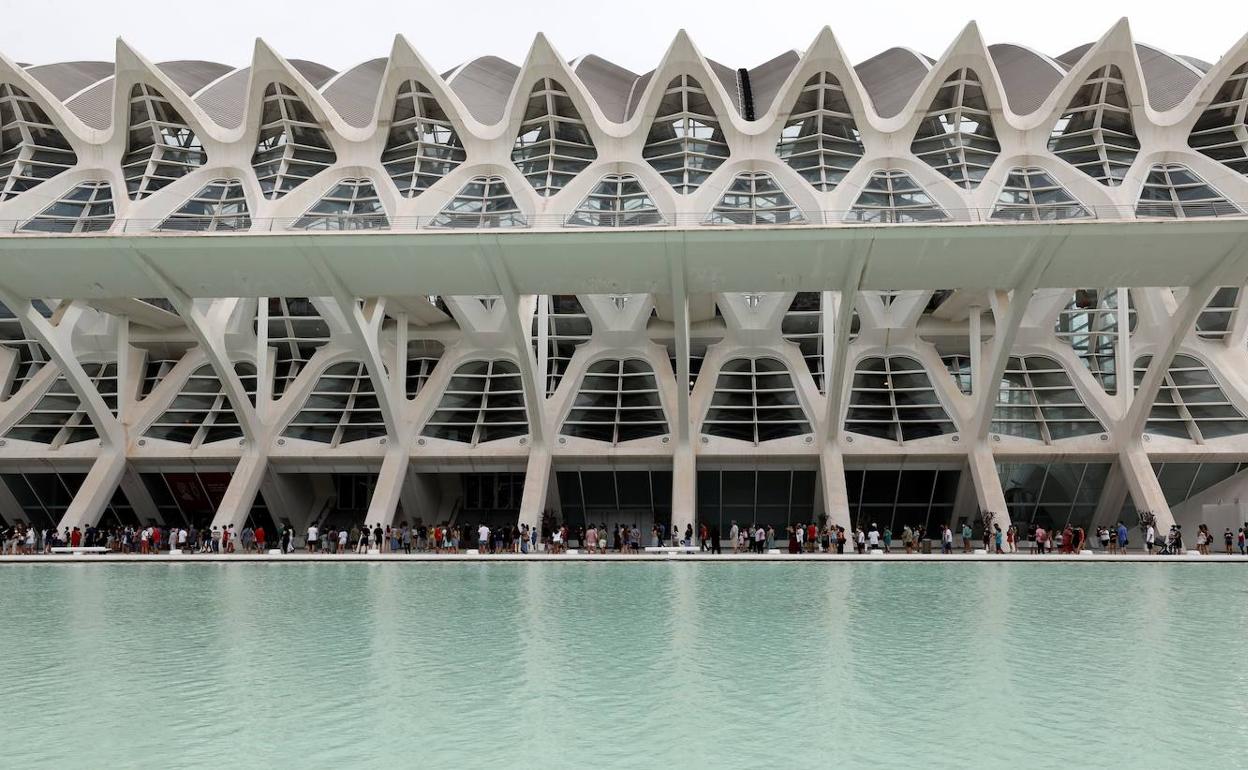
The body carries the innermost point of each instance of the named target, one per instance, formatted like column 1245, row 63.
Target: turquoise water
column 623, row 665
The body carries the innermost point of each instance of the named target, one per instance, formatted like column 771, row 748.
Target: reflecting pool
column 623, row 665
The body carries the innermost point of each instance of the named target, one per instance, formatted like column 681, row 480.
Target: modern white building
column 905, row 291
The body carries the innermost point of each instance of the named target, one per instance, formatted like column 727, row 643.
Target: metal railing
column 235, row 224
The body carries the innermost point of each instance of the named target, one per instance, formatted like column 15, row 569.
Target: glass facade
column 1096, row 133
column 31, row 148
column 485, row 201
column 755, row 198
column 1175, row 191
column 200, row 414
column 161, row 148
column 553, row 145
column 422, row 145
column 755, row 401
column 1222, row 130
column 820, row 140
column 352, row 204
column 87, row 208
column 618, row 200
column 484, row 401
column 221, row 206
column 1031, row 194
column 1190, row 403
column 685, row 143
column 1037, row 400
column 893, row 398
column 341, row 408
column 618, row 400
column 292, row 148
column 892, row 196
column 956, row 136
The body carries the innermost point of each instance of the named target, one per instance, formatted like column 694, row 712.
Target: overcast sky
column 633, row 33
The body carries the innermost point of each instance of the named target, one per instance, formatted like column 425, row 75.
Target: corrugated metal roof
column 191, row 75
column 225, row 100
column 94, row 106
column 1026, row 76
column 65, row 79
column 890, row 78
column 353, row 94
column 609, row 84
column 484, row 85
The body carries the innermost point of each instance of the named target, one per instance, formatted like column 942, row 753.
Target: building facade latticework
column 905, row 292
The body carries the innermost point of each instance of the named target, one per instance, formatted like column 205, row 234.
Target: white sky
column 632, row 33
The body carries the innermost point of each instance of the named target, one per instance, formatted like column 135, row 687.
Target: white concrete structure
column 907, row 291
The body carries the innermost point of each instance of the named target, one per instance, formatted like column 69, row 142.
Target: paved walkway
column 301, row 557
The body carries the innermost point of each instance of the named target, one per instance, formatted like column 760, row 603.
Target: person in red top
column 812, row 537
column 75, row 538
column 155, row 539
column 260, row 539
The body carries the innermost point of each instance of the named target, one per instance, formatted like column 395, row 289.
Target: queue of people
column 554, row 538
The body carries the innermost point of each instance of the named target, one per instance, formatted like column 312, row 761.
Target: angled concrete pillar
column 835, row 492
column 389, row 487
column 684, row 489
column 96, row 491
column 140, row 499
column 988, row 491
column 536, row 483
column 1142, row 482
column 240, row 495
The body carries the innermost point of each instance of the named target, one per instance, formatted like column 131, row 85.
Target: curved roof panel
column 224, row 100
column 890, row 78
column 484, row 86
column 727, row 77
column 608, row 83
column 190, row 75
column 1026, row 76
column 1168, row 78
column 353, row 94
column 1072, row 57
column 94, row 106
column 316, row 74
column 65, row 79
column 766, row 79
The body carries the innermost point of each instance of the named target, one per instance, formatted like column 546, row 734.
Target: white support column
column 976, row 344
column 1008, row 312
column 835, row 492
column 389, row 487
column 1109, row 506
column 101, row 481
column 240, row 495
column 988, row 492
column 1142, row 482
column 125, row 393
column 834, row 376
column 140, row 499
column 96, row 491
column 684, row 454
column 1180, row 325
column 208, row 328
column 536, row 484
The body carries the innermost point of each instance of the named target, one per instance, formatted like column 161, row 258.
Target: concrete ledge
column 432, row 558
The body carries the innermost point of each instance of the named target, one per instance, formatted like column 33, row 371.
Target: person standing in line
column 907, row 538
column 1241, row 538
column 888, row 540
column 407, row 539
column 1122, row 538
column 260, row 538
column 688, row 541
column 998, row 537
column 1009, row 538
column 966, row 538
column 1150, row 537
column 483, row 538
column 704, row 535
column 313, row 538
column 715, row 547
column 733, row 532
column 760, row 539
column 873, row 537
column 946, row 539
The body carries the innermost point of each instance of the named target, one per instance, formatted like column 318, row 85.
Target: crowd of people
column 554, row 538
